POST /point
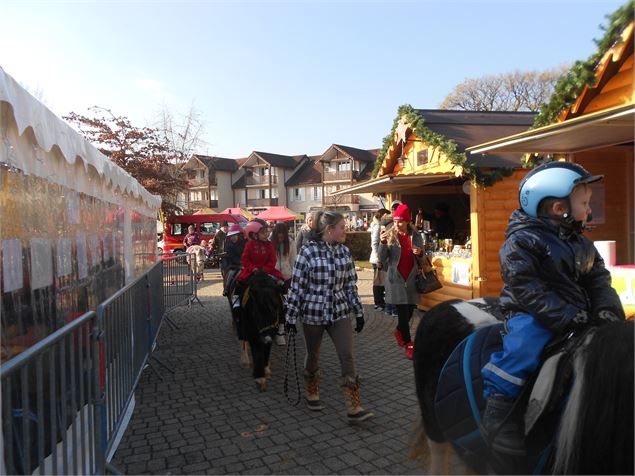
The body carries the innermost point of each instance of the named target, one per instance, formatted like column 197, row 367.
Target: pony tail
column 596, row 429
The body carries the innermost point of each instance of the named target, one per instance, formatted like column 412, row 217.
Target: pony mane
column 596, row 429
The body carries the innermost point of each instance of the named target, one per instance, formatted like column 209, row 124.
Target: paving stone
column 191, row 422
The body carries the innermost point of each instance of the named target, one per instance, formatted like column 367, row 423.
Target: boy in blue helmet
column 554, row 279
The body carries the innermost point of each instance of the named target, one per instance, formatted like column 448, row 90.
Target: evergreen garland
column 447, row 146
column 582, row 73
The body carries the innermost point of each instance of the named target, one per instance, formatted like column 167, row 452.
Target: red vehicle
column 175, row 229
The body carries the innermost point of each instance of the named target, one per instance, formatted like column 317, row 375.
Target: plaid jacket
column 323, row 286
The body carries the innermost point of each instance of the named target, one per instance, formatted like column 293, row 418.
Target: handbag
column 426, row 280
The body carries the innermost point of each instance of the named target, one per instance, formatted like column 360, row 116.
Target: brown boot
column 354, row 410
column 312, row 395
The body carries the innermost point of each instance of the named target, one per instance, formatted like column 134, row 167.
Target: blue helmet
column 551, row 180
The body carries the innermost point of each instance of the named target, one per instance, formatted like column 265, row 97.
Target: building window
column 196, row 196
column 344, row 166
column 317, row 193
column 261, row 193
column 213, row 195
column 201, row 174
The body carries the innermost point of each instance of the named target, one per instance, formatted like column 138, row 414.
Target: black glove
column 605, row 316
column 360, row 324
column 290, row 328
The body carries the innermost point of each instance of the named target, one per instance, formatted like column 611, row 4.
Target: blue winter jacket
column 553, row 274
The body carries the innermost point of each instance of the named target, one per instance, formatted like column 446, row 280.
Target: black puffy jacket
column 553, row 275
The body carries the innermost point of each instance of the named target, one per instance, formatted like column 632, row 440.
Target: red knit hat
column 402, row 213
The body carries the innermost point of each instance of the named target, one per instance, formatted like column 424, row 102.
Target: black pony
column 592, row 432
column 261, row 311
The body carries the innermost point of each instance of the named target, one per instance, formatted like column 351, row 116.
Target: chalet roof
column 362, row 155
column 218, row 163
column 240, row 181
column 468, row 128
column 277, row 160
column 310, row 172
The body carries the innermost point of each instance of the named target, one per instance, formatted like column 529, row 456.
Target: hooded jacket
column 553, row 274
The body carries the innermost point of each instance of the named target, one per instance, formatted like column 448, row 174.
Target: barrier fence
column 66, row 399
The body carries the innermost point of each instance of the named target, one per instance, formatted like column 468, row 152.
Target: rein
column 291, row 343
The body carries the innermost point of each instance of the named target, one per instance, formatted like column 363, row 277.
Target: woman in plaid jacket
column 322, row 296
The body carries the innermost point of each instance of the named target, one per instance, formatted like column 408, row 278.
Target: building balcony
column 342, row 175
column 261, row 180
column 262, row 202
column 201, row 182
column 198, row 204
column 345, row 199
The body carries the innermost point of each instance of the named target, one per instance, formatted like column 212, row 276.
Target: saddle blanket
column 458, row 406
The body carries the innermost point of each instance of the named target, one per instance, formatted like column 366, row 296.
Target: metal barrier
column 65, row 399
column 50, row 400
column 179, row 281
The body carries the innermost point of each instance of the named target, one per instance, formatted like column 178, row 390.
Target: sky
column 280, row 76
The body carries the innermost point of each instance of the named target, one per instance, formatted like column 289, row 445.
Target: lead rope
column 290, row 344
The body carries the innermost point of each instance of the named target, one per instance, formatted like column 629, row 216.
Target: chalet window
column 344, row 166
column 422, row 157
column 201, row 174
column 317, row 193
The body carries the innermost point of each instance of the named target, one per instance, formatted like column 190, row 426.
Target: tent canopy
column 280, row 214
column 206, row 211
column 239, row 211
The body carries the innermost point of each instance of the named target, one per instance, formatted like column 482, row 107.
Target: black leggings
column 404, row 314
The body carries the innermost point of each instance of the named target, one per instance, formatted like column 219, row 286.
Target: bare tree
column 182, row 135
column 516, row 91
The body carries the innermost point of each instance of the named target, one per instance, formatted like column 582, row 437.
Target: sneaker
column 314, row 405
column 399, row 338
column 359, row 416
column 410, row 350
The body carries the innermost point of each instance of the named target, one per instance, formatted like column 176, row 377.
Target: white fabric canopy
column 51, row 132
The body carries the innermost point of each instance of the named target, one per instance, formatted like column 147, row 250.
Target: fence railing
column 65, row 399
column 50, row 398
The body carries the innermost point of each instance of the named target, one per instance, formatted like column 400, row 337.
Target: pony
column 591, row 431
column 258, row 321
column 196, row 260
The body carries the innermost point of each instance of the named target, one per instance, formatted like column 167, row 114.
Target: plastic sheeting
column 72, row 232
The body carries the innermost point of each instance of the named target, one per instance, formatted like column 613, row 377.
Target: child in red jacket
column 259, row 253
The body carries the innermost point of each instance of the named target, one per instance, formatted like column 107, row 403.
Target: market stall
column 463, row 203
column 597, row 131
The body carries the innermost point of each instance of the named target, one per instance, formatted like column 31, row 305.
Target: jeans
column 404, row 314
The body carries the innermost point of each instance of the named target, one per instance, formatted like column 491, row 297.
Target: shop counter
column 455, row 273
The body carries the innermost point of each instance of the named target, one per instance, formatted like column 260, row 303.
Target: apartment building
column 299, row 182
column 304, row 187
column 209, row 182
column 342, row 167
column 263, row 181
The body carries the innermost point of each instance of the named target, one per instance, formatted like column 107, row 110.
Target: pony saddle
column 459, row 401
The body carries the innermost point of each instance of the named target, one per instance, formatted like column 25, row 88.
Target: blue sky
column 282, row 77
